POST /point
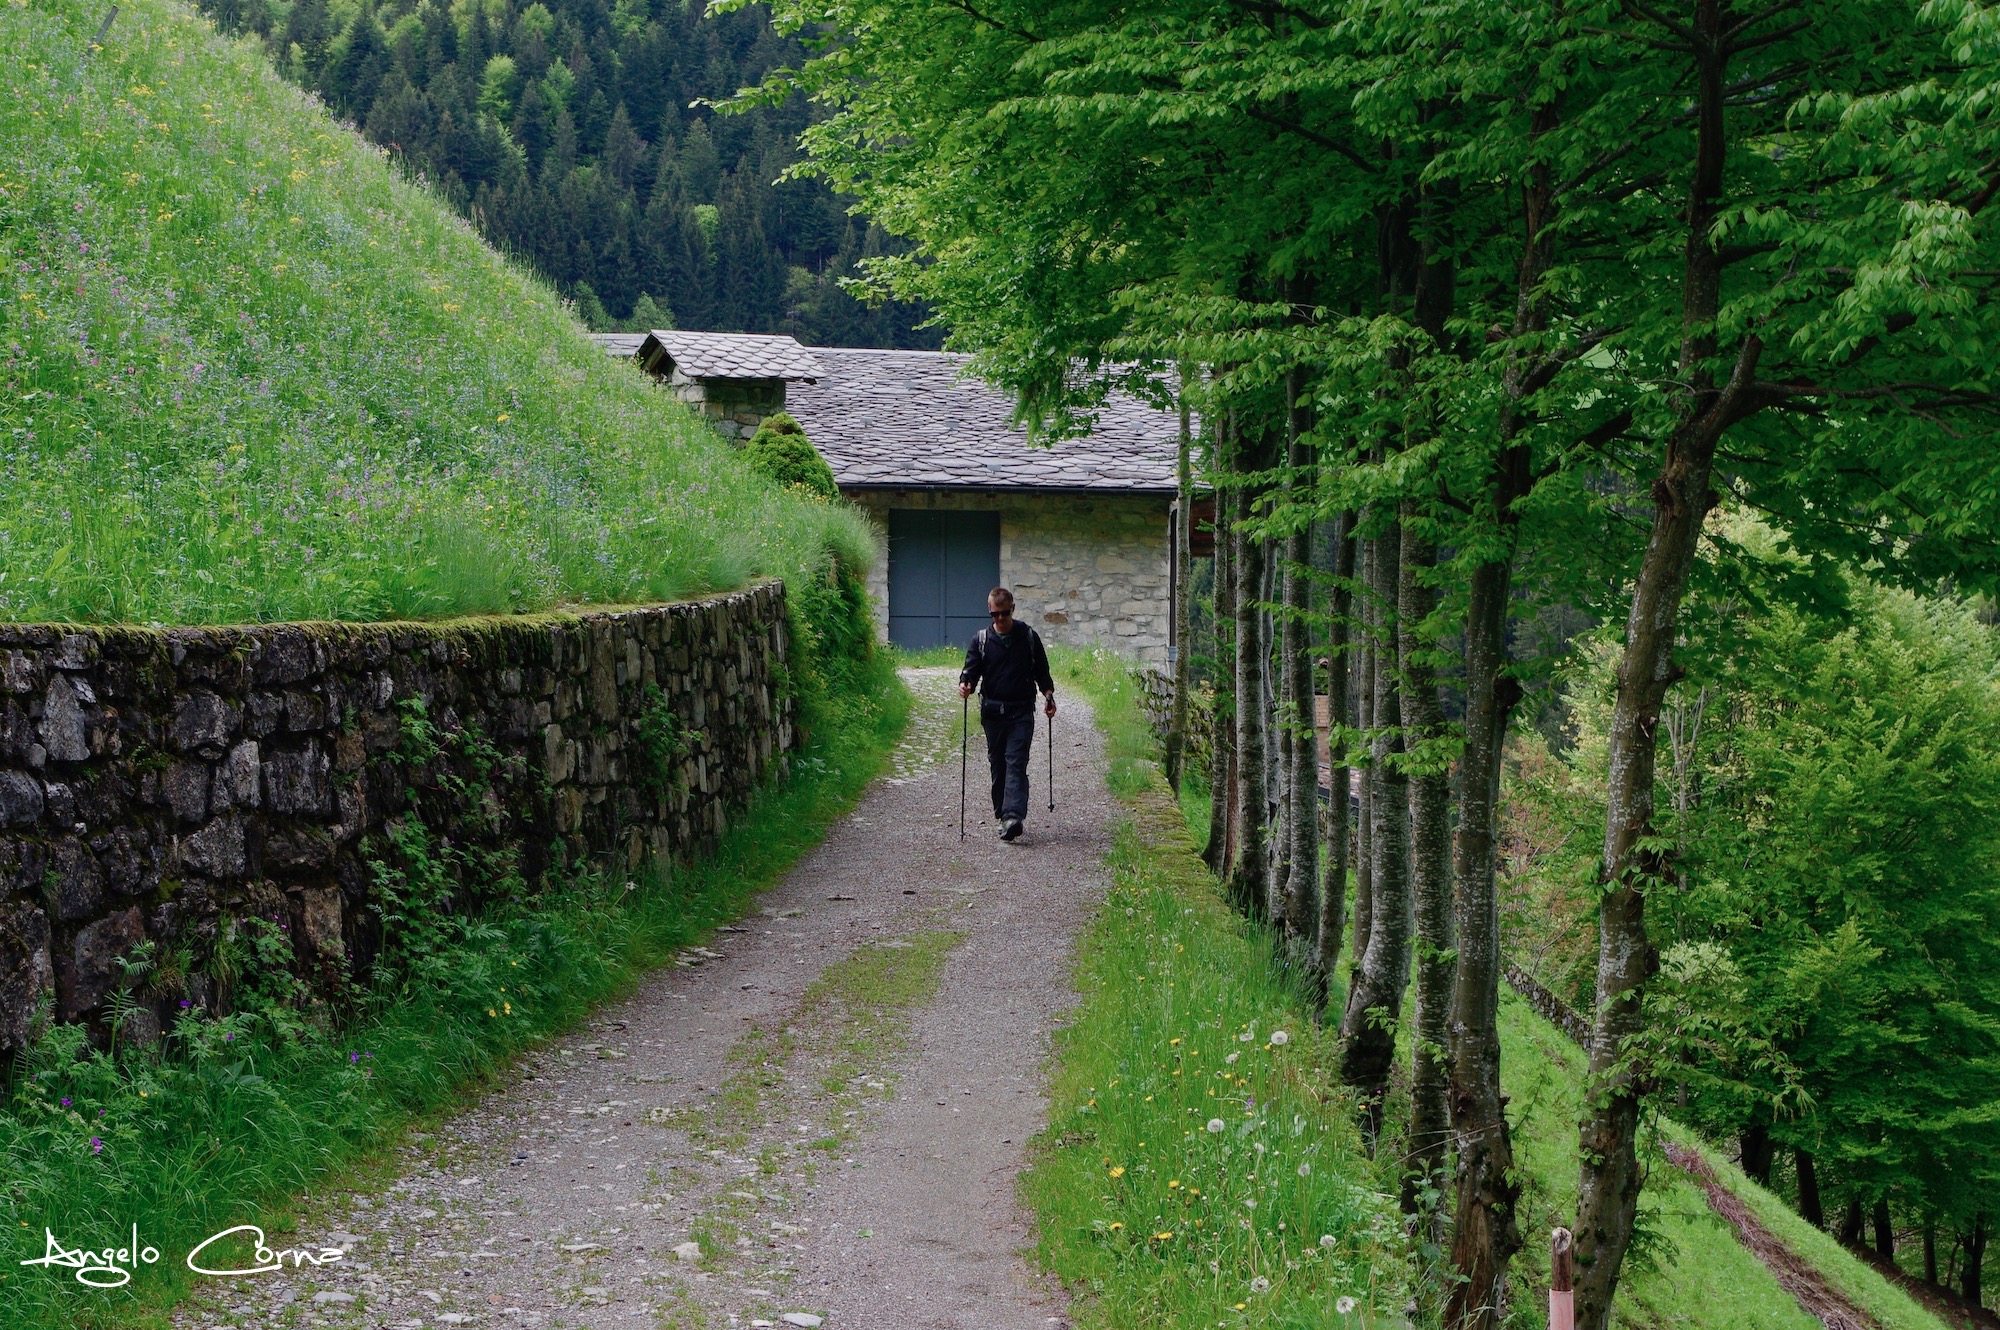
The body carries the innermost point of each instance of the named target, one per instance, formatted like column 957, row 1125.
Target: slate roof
column 708, row 355
column 908, row 420
column 619, row 346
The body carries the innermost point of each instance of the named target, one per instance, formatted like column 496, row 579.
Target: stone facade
column 154, row 784
column 734, row 406
column 1086, row 570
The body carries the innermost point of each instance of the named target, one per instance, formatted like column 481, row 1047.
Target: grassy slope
column 191, row 1148
column 248, row 372
column 1691, row 1271
column 1694, row 1272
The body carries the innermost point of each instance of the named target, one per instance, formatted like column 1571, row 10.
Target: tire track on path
column 830, row 1101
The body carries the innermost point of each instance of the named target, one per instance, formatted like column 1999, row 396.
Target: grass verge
column 232, row 1126
column 1201, row 1166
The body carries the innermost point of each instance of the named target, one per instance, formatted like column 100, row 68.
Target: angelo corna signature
column 112, row 1267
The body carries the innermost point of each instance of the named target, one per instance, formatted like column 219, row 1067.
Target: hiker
column 1007, row 663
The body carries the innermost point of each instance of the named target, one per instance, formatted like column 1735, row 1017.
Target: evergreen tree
column 482, row 108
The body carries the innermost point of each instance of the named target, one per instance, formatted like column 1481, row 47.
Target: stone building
column 735, row 379
column 959, row 500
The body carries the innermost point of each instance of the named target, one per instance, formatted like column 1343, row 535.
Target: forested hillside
column 568, row 131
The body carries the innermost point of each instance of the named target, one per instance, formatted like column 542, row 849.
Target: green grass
column 1168, row 959
column 929, row 657
column 230, row 1130
column 1688, row 1268
column 249, row 372
column 1854, row 1278
column 1158, row 1220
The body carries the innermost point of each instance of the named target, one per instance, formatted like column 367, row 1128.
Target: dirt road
column 818, row 1115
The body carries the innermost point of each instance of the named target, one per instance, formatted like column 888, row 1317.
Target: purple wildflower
column 97, row 1145
column 354, row 1057
column 65, row 1101
column 185, row 1004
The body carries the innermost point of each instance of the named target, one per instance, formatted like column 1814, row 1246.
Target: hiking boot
column 1013, row 829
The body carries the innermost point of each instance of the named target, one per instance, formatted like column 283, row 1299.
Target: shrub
column 780, row 451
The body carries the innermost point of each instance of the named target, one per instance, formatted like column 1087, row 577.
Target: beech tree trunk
column 1885, row 1230
column 1485, row 1230
column 1250, row 878
column 1283, row 739
column 1429, row 871
column 1850, row 1223
column 1364, row 724
column 1375, row 1003
column 1809, row 1203
column 1177, row 723
column 1930, row 1252
column 1608, row 1196
column 1301, row 888
column 1333, row 891
column 1222, row 723
column 1970, row 1282
column 1753, row 1151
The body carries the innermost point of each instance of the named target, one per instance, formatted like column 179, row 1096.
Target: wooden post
column 1562, row 1282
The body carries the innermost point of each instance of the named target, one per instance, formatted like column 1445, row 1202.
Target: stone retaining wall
column 156, row 784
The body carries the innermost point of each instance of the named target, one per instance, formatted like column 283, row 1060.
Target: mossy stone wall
column 157, row 783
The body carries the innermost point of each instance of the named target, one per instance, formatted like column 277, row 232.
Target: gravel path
column 820, row 1114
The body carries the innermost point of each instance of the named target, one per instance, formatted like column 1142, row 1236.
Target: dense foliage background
column 570, row 132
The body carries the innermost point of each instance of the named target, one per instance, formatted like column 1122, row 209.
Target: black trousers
column 1010, row 740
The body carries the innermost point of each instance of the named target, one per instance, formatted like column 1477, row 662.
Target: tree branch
column 962, row 7
column 1313, row 136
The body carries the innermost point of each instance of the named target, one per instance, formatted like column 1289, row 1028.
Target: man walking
column 1007, row 663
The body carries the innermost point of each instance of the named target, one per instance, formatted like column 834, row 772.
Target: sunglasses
column 995, row 614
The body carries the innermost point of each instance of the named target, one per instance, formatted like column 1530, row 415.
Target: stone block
column 65, row 731
column 236, row 780
column 304, row 710
column 184, row 785
column 21, row 801
column 93, row 967
column 205, row 724
column 296, row 848
column 319, row 916
column 19, row 672
column 129, row 860
column 298, row 782
column 287, row 657
column 78, row 881
column 217, row 850
column 265, row 716
column 26, row 969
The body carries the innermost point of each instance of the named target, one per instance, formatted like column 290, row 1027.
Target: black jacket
column 1009, row 668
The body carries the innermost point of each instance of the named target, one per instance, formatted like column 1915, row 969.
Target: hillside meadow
column 248, row 371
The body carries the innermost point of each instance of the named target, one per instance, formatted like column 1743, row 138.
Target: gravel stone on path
column 710, row 1151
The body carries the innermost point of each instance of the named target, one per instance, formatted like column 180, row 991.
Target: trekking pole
column 964, row 737
column 1052, row 764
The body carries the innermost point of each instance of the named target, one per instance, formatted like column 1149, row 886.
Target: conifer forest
column 578, row 138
